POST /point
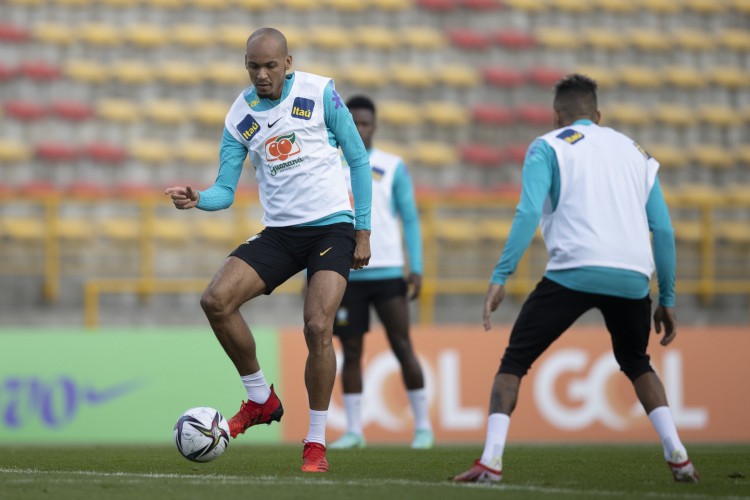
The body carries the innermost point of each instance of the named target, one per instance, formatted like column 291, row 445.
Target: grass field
column 383, row 473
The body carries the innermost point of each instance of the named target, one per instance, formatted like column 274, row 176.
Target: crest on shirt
column 570, row 136
column 248, row 127
column 377, row 173
column 281, row 147
column 303, row 108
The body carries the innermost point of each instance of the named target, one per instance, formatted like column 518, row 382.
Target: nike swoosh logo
column 325, row 251
column 274, row 123
column 97, row 396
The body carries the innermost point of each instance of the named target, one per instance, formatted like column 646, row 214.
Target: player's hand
column 415, row 282
column 495, row 295
column 362, row 249
column 665, row 316
column 183, row 197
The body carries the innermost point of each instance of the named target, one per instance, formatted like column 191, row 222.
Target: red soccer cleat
column 682, row 468
column 314, row 457
column 479, row 473
column 252, row 413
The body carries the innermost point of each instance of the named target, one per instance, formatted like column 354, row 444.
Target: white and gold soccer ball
column 201, row 434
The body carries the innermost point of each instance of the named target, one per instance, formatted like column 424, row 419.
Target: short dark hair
column 575, row 96
column 360, row 102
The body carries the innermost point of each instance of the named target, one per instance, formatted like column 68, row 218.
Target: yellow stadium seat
column 27, row 3
column 458, row 75
column 225, row 73
column 376, row 38
column 300, row 5
column 557, row 38
column 627, row 114
column 719, row 115
column 221, row 231
column 572, row 6
column 675, row 115
column 166, row 4
column 687, row 231
column 329, row 37
column 738, row 194
column 730, row 77
column 698, row 194
column 434, row 154
column 120, row 229
column 166, row 111
column 27, row 229
column 145, row 35
column 693, row 39
column 410, row 76
column 648, row 40
column 171, row 230
column 616, row 6
column 117, row 3
column 151, row 152
column 712, row 156
column 210, row 4
column 13, row 151
column 347, row 5
column 733, row 231
column 99, row 34
column 73, row 3
column 391, row 5
column 295, row 36
column 233, row 36
column 210, row 112
column 423, row 38
column 399, row 113
column 178, row 73
column 685, row 77
column 660, row 6
column 446, row 113
column 78, row 229
column 735, row 39
column 54, row 33
column 605, row 78
column 604, row 39
column 495, row 229
column 118, row 110
column 86, row 71
column 639, row 77
column 742, row 6
column 668, row 156
column 192, row 35
column 705, row 7
column 365, row 76
column 321, row 69
column 527, row 5
column 133, row 72
column 253, row 5
column 199, row 152
column 395, row 148
column 742, row 153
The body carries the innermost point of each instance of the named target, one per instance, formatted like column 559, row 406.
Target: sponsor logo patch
column 570, row 136
column 248, row 127
column 303, row 108
column 377, row 173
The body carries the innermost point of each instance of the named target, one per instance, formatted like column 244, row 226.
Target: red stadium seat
column 469, row 39
column 515, row 153
column 86, row 189
column 480, row 5
column 499, row 76
column 40, row 189
column 39, row 71
column 7, row 72
column 482, row 155
column 544, row 77
column 25, row 111
column 11, row 33
column 56, row 152
column 515, row 39
column 74, row 111
column 492, row 114
column 437, row 5
column 535, row 114
column 108, row 154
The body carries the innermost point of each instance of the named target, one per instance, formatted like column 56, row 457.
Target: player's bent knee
column 214, row 305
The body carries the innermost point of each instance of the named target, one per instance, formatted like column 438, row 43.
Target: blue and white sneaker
column 424, row 439
column 348, row 441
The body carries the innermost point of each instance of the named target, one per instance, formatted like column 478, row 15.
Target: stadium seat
column 178, row 73
column 572, row 7
column 668, row 156
column 535, row 114
column 376, row 38
column 458, row 76
column 54, row 33
column 118, row 110
column 7, row 72
column 445, row 114
column 165, row 4
column 674, row 115
column 299, row 5
column 718, row 115
column 145, row 35
column 504, row 77
column 226, row 73
column 199, row 152
column 86, row 71
column 366, row 76
column 660, row 6
column 221, row 231
column 480, row 5
column 24, row 111
column 99, row 34
column 434, row 154
column 391, row 5
column 104, row 153
column 171, row 230
column 742, row 153
column 39, row 71
column 527, row 6
column 712, row 156
column 687, row 231
column 738, row 194
column 437, row 5
column 604, row 39
column 399, row 113
column 72, row 111
column 422, row 38
column 544, row 76
column 253, row 6
column 735, row 39
column 12, row 151
column 741, row 6
column 151, row 152
column 557, row 38
column 354, row 6
column 165, row 111
column 737, row 232
column 56, row 152
column 210, row 112
column 683, row 77
column 132, row 72
column 649, row 40
column 626, row 113
column 730, row 77
column 320, row 69
column 481, row 155
column 605, row 78
column 395, row 148
column 492, row 114
column 120, row 229
column 210, row 4
column 698, row 194
column 13, row 33
column 513, row 39
column 329, row 37
column 193, row 36
column 469, row 39
column 410, row 76
column 233, row 36
column 23, row 228
column 616, row 6
column 693, row 40
column 515, row 153
column 639, row 77
column 705, row 7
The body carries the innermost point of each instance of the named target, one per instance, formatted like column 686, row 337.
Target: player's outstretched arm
column 665, row 316
column 495, row 295
column 183, row 197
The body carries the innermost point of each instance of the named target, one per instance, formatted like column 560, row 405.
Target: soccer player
column 291, row 124
column 383, row 287
column 598, row 196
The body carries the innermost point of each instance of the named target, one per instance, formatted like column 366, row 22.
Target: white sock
column 420, row 409
column 256, row 387
column 317, row 431
column 494, row 444
column 661, row 419
column 353, row 407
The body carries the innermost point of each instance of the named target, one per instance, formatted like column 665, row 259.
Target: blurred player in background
column 598, row 196
column 292, row 126
column 383, row 287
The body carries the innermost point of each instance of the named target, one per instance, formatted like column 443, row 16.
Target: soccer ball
column 201, row 434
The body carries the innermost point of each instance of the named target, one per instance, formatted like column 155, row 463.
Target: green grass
column 383, row 473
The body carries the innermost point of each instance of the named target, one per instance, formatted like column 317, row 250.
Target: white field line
column 32, row 476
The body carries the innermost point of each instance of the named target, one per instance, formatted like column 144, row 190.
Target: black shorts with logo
column 353, row 316
column 278, row 253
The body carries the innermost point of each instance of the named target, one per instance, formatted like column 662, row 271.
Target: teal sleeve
column 664, row 246
column 406, row 206
column 536, row 186
column 343, row 133
column 232, row 155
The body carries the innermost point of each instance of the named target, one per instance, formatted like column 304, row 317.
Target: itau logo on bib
column 281, row 147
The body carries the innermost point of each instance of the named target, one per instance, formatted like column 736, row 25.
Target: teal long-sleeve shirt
column 404, row 204
column 341, row 133
column 541, row 178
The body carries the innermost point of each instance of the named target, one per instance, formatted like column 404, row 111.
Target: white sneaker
column 682, row 468
column 348, row 441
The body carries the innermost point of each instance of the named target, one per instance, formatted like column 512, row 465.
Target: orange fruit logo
column 281, row 147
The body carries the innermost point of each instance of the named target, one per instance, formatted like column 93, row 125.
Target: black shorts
column 353, row 316
column 278, row 253
column 551, row 309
